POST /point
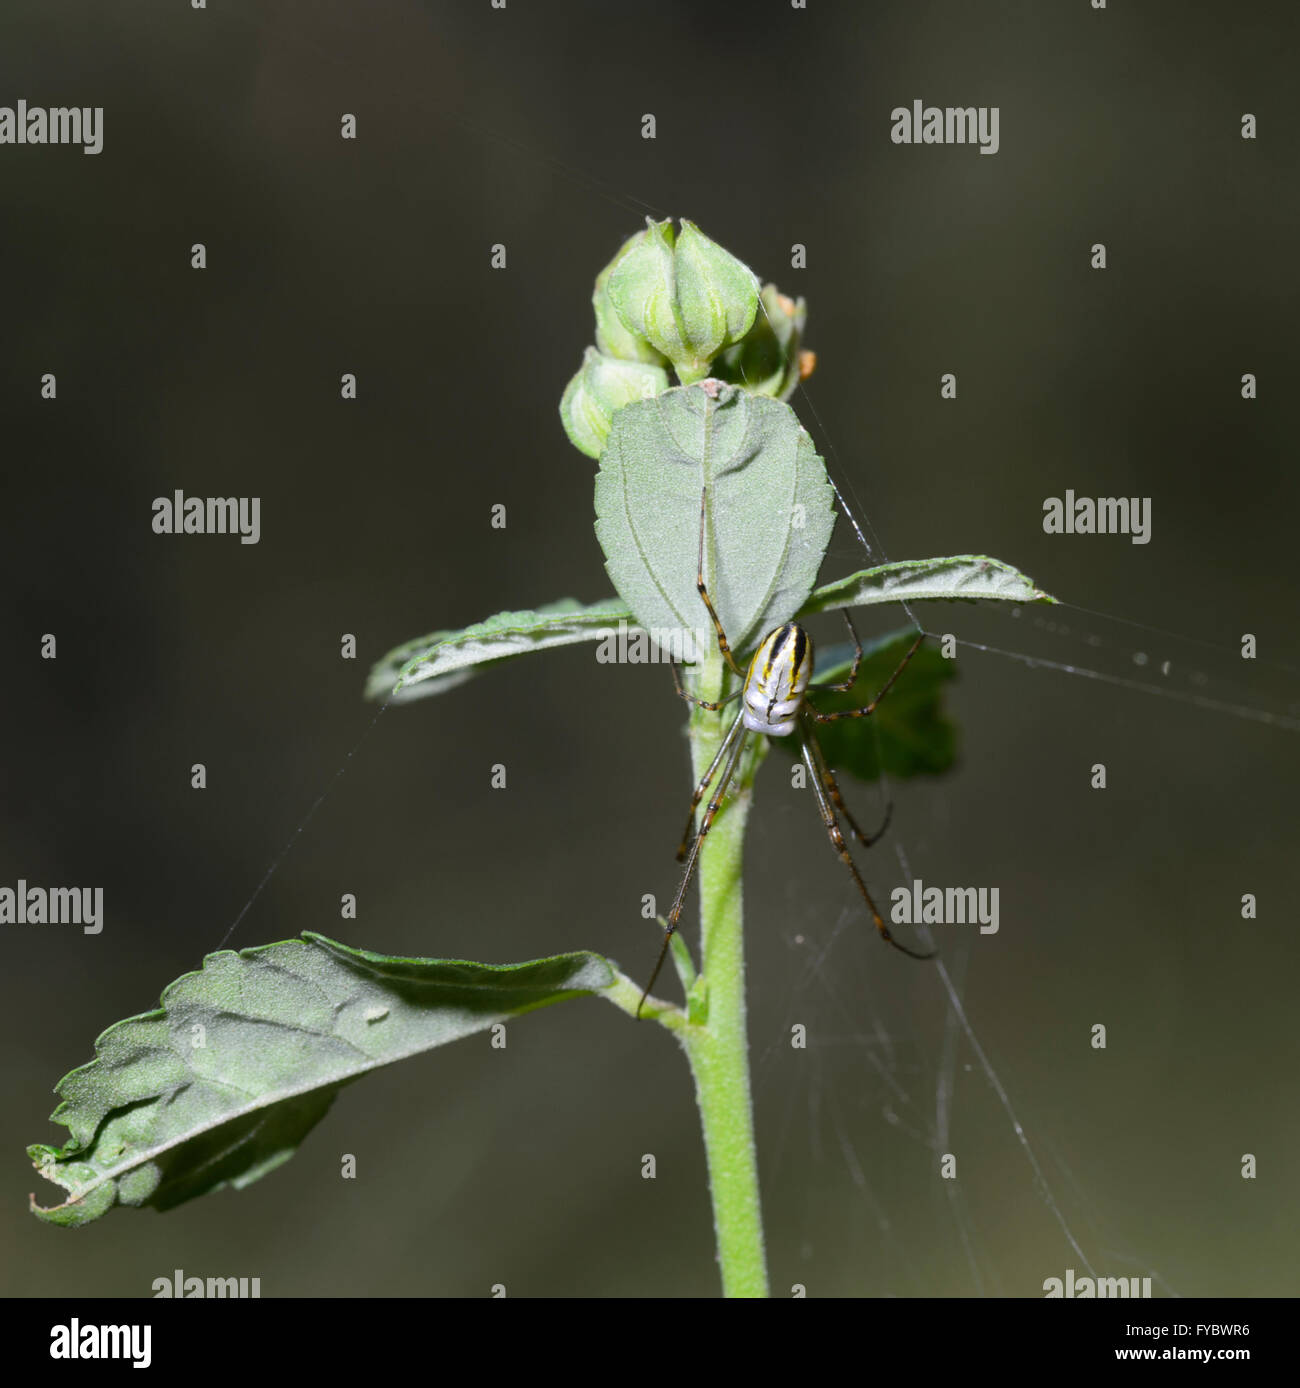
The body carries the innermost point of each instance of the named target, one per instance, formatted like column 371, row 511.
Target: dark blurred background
column 522, row 126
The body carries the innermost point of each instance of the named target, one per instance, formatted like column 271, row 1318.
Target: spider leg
column 837, row 842
column 848, row 684
column 723, row 645
column 833, row 790
column 705, row 781
column 691, row 699
column 871, row 707
column 715, row 800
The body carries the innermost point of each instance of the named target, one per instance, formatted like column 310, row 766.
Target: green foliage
column 440, row 661
column 959, row 578
column 768, row 518
column 909, row 734
column 766, row 360
column 221, row 1084
column 436, row 663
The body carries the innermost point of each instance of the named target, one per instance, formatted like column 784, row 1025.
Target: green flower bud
column 602, row 386
column 767, row 360
column 612, row 336
column 684, row 295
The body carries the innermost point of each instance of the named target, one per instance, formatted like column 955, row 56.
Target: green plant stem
column 718, row 1047
column 712, row 1028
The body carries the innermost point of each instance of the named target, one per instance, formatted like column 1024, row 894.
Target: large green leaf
column 438, row 662
column 909, row 734
column 245, row 1056
column 769, row 513
column 959, row 578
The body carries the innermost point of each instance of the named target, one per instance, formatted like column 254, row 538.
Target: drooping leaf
column 768, row 515
column 909, row 734
column 958, row 578
column 438, row 662
column 221, row 1084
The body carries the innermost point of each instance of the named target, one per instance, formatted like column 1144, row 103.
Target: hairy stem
column 717, row 1046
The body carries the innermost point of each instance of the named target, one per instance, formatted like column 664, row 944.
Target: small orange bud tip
column 807, row 364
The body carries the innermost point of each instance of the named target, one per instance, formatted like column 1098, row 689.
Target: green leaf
column 769, row 513
column 436, row 663
column 158, row 1118
column 959, row 578
column 908, row 735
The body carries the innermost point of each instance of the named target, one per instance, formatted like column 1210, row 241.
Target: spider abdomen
column 776, row 681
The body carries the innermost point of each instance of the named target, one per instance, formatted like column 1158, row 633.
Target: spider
column 774, row 701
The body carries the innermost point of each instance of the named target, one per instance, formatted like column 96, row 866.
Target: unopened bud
column 683, row 295
column 613, row 337
column 602, row 386
column 768, row 359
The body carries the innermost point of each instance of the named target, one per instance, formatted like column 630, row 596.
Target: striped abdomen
column 777, row 678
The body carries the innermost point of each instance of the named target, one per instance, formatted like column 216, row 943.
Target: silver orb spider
column 774, row 701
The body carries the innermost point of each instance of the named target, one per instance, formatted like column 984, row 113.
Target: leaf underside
column 436, row 663
column 957, row 578
column 768, row 514
column 220, row 1085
